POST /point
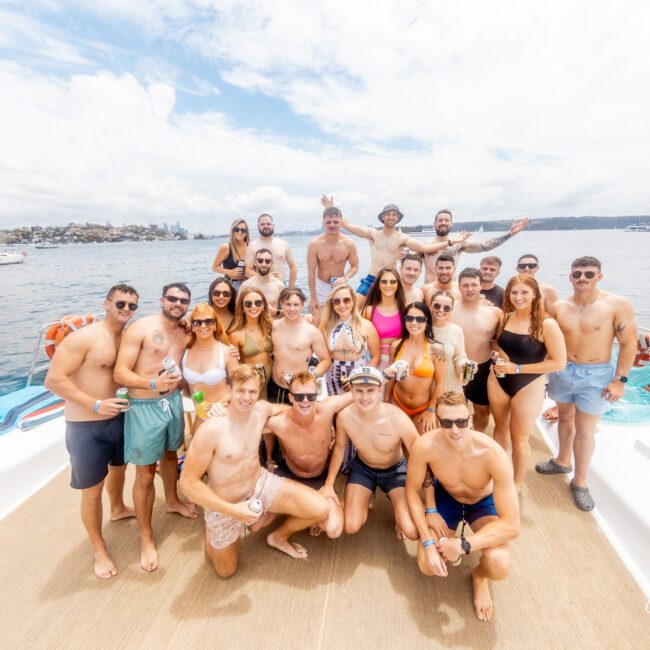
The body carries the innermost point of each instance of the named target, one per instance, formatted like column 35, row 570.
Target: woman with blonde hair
column 351, row 339
column 229, row 260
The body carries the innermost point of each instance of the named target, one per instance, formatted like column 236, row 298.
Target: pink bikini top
column 388, row 327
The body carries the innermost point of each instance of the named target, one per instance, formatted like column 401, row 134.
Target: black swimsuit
column 520, row 348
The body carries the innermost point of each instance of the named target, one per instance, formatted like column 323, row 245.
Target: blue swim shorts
column 365, row 285
column 453, row 512
column 372, row 478
column 582, row 384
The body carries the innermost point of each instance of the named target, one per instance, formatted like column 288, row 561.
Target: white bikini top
column 210, row 377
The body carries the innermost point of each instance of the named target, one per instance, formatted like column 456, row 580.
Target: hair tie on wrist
column 518, row 368
column 429, row 542
column 152, row 384
column 430, row 511
column 97, row 405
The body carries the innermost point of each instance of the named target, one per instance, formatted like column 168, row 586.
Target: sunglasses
column 446, row 308
column 264, row 261
column 175, row 299
column 121, row 304
column 415, row 319
column 250, row 303
column 590, row 275
column 206, row 321
column 299, row 397
column 341, row 301
column 225, row 294
column 240, row 229
column 527, row 265
column 461, row 423
column 387, row 281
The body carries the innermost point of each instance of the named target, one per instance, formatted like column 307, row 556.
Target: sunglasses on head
column 387, row 281
column 299, row 397
column 206, row 321
column 121, row 304
column 415, row 319
column 461, row 423
column 175, row 299
column 265, row 260
column 341, row 301
column 250, row 303
column 446, row 308
column 225, row 294
column 590, row 275
column 237, row 229
column 527, row 265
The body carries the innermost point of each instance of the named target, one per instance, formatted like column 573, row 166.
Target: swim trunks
column 371, row 478
column 93, row 446
column 453, row 512
column 314, row 482
column 476, row 390
column 365, row 285
column 582, row 384
column 322, row 290
column 152, row 426
column 223, row 530
column 277, row 394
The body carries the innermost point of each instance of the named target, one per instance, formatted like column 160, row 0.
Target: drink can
column 255, row 505
column 333, row 281
column 500, row 360
column 401, row 370
column 170, row 366
column 240, row 266
column 321, row 389
column 261, row 371
column 123, row 393
column 468, row 371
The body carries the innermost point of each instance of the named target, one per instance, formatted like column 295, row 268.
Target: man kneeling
column 473, row 484
column 227, row 449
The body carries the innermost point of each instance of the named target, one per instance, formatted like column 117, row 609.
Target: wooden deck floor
column 567, row 588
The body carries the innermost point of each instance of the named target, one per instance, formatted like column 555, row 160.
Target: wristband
column 97, row 405
column 385, row 376
column 429, row 542
column 430, row 409
column 152, row 384
column 430, row 511
column 449, row 242
column 518, row 368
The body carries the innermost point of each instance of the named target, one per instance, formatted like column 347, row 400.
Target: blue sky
column 158, row 110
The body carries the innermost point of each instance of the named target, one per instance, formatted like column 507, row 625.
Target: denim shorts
column 582, row 384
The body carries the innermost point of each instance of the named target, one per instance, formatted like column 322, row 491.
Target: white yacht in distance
column 11, row 257
column 638, row 227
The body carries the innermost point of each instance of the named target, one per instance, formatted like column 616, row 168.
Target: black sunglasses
column 299, row 397
column 590, row 275
column 237, row 229
column 339, row 301
column 527, row 265
column 121, row 304
column 461, row 423
column 225, row 294
column 206, row 321
column 415, row 319
column 175, row 299
column 250, row 303
column 446, row 308
column 266, row 260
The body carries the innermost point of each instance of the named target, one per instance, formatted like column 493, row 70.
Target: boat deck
column 567, row 587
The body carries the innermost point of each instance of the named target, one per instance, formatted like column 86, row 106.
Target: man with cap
column 378, row 430
column 385, row 243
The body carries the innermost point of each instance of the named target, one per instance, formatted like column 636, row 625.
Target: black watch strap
column 465, row 545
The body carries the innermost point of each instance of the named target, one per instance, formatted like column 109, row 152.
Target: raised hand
column 518, row 225
column 327, row 202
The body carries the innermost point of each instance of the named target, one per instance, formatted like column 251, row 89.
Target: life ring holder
column 64, row 326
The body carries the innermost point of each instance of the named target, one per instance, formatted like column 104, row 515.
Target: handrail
column 32, row 368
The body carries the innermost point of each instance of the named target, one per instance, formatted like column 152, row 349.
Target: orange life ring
column 66, row 325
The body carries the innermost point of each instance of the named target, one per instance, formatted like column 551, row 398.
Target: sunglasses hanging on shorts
column 527, row 265
column 299, row 397
column 175, row 299
column 590, row 275
column 250, row 303
column 446, row 308
column 121, row 304
column 206, row 321
column 415, row 319
column 461, row 423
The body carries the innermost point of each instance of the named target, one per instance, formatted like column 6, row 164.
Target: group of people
column 374, row 384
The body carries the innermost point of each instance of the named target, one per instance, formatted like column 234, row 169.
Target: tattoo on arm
column 487, row 245
column 428, row 478
column 619, row 329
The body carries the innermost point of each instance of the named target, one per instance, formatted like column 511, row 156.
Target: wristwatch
column 465, row 545
column 621, row 378
column 449, row 242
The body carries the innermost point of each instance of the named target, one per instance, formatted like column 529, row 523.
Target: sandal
column 582, row 497
column 552, row 467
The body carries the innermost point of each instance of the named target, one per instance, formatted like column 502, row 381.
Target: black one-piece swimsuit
column 520, row 348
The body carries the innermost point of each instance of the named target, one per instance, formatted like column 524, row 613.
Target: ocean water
column 74, row 278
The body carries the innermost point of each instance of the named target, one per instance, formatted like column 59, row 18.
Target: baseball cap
column 366, row 375
column 390, row 206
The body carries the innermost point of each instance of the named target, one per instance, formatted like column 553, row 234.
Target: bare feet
column 123, row 512
column 297, row 551
column 315, row 530
column 148, row 556
column 186, row 509
column 482, row 600
column 104, row 566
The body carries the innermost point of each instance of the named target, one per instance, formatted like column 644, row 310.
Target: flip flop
column 582, row 497
column 552, row 467
column 551, row 414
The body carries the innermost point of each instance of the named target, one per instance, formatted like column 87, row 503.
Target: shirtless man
column 327, row 256
column 444, row 281
column 386, row 243
column 529, row 265
column 227, row 449
column 410, row 270
column 279, row 247
column 154, row 426
column 490, row 269
column 377, row 429
column 306, row 436
column 295, row 342
column 473, row 484
column 590, row 319
column 479, row 323
column 265, row 281
column 81, row 373
column 442, row 223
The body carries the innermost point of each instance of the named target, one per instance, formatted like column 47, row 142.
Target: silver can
column 468, row 371
column 261, row 371
column 240, row 267
column 401, row 370
column 170, row 366
column 123, row 393
column 255, row 506
column 500, row 361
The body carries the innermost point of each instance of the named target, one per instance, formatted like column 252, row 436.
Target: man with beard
column 410, row 270
column 444, row 279
column 327, row 256
column 154, row 426
column 265, row 281
column 490, row 268
column 279, row 247
column 443, row 223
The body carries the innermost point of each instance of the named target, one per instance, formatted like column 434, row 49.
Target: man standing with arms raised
column 590, row 319
column 443, row 222
column 265, row 281
column 154, row 426
column 479, row 323
column 409, row 271
column 327, row 256
column 81, row 373
column 473, row 485
column 279, row 247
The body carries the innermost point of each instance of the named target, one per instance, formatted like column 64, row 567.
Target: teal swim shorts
column 153, row 426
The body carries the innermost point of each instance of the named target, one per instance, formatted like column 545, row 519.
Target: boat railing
column 35, row 369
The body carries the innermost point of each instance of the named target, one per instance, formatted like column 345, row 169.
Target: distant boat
column 11, row 257
column 46, row 244
column 480, row 229
column 638, row 227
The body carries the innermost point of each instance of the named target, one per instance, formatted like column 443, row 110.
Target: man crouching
column 227, row 449
column 473, row 484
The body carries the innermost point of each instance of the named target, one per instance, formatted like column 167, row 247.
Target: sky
column 205, row 111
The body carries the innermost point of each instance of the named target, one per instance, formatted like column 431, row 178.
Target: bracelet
column 429, row 542
column 97, row 405
column 518, row 368
column 449, row 242
column 385, row 376
column 430, row 511
column 430, row 409
column 152, row 384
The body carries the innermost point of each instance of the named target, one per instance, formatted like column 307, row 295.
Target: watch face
column 465, row 545
column 622, row 379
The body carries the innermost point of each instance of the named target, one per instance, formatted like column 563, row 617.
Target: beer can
column 123, row 393
column 240, row 267
column 261, row 371
column 170, row 366
column 255, row 505
column 500, row 361
column 401, row 370
column 468, row 371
